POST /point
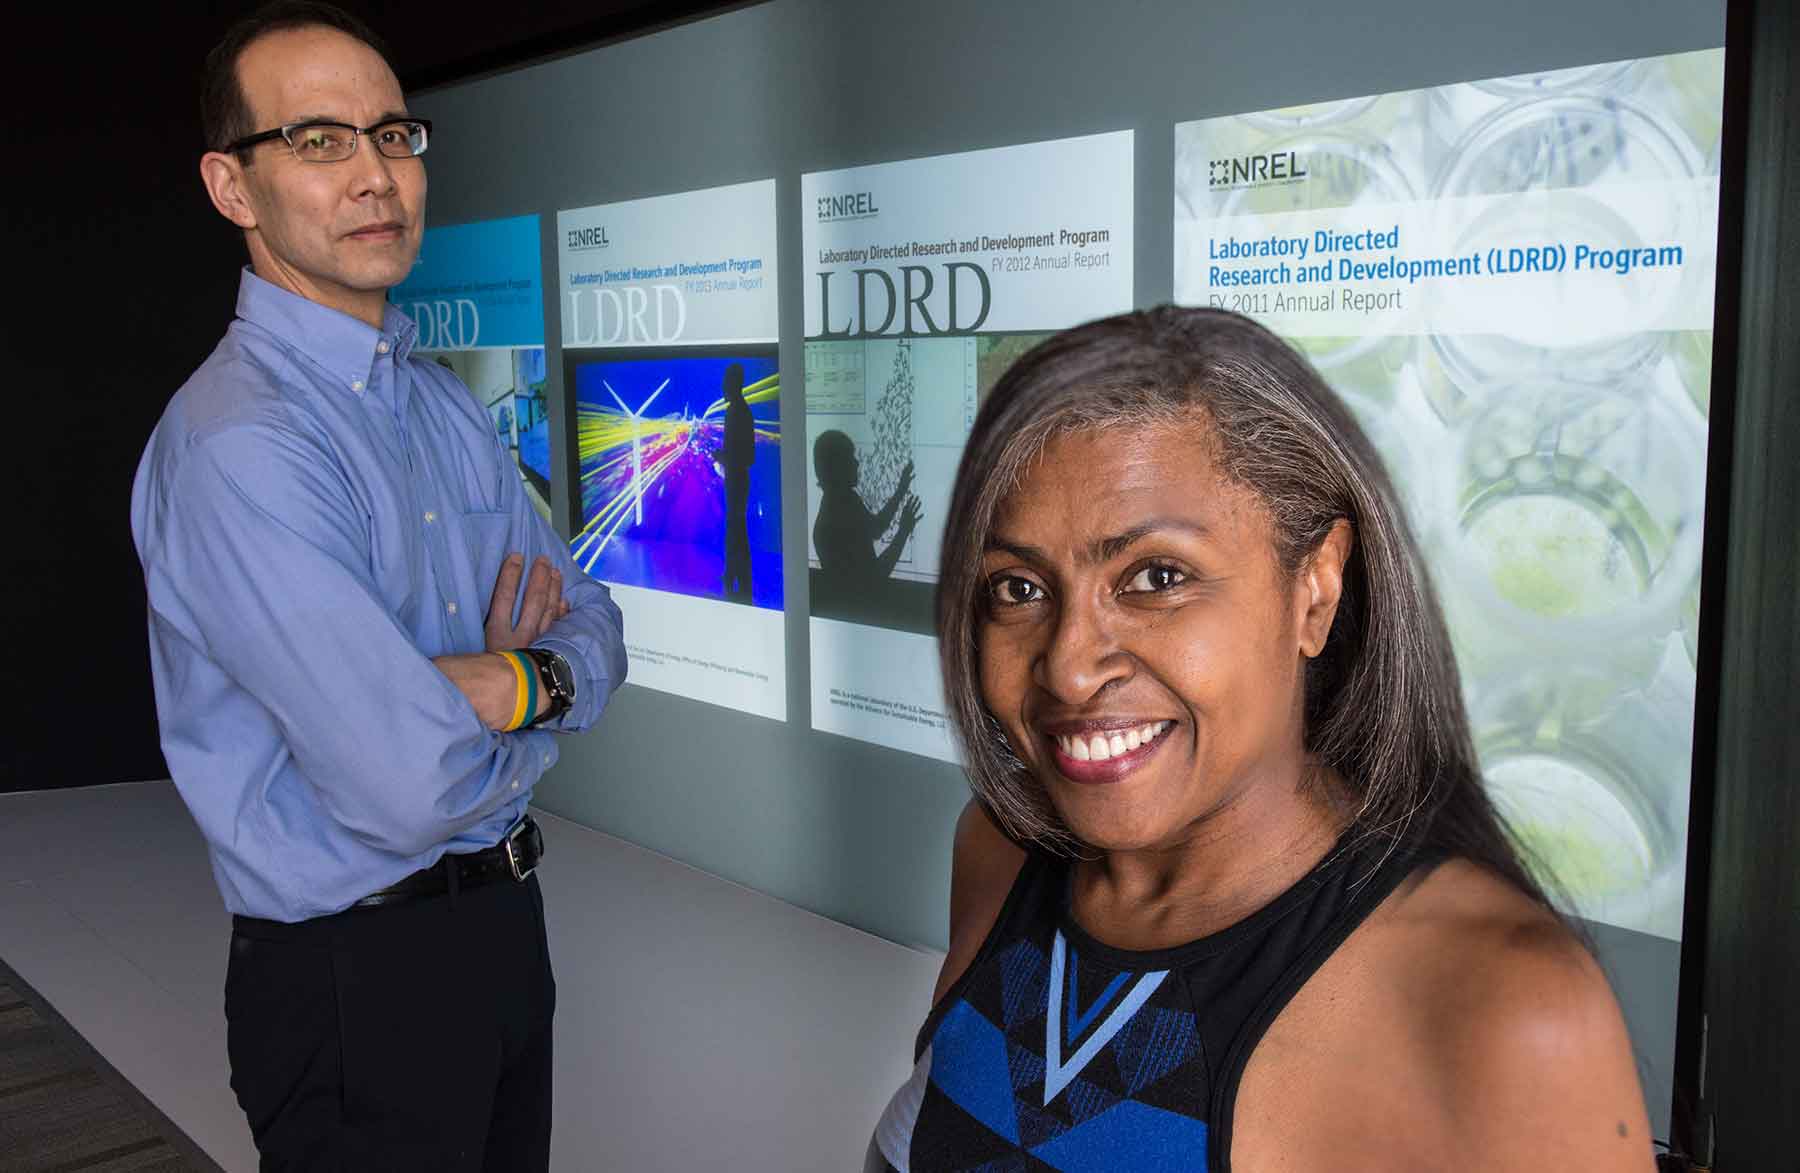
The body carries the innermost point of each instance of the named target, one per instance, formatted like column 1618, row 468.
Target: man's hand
column 544, row 604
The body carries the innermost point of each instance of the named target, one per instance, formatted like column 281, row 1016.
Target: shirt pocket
column 485, row 538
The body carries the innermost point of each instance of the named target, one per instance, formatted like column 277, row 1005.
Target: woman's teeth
column 1102, row 746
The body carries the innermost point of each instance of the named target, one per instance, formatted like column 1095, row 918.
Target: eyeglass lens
column 328, row 142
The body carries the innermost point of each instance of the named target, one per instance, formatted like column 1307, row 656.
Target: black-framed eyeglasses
column 332, row 142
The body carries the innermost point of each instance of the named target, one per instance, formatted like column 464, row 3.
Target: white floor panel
column 173, row 1053
column 700, row 1025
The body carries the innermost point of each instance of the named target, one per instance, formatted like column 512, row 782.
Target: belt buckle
column 514, row 855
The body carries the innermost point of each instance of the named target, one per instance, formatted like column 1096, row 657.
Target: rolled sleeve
column 591, row 637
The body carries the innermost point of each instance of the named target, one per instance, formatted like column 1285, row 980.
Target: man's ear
column 226, row 183
column 1322, row 585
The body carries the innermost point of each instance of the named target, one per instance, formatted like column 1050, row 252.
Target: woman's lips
column 1106, row 755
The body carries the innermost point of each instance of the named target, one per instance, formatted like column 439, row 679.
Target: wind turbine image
column 637, row 451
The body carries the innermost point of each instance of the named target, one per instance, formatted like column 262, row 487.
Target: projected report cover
column 670, row 328
column 926, row 279
column 477, row 296
column 1511, row 282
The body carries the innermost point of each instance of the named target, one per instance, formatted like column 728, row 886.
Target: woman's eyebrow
column 1025, row 553
column 1106, row 549
column 1103, row 549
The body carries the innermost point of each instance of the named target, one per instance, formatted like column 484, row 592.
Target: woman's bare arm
column 983, row 865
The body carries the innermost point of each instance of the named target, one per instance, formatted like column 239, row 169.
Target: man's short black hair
column 224, row 111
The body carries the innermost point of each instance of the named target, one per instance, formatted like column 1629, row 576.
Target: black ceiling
column 434, row 43
column 149, row 55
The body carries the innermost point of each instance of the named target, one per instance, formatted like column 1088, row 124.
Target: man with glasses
column 357, row 677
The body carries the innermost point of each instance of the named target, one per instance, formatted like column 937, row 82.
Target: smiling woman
column 1232, row 444
column 1231, row 894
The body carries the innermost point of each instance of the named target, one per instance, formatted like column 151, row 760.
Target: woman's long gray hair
column 1383, row 702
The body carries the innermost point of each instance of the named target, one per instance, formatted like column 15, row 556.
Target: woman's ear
column 1322, row 585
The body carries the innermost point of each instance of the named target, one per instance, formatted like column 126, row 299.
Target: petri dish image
column 1558, row 557
column 1578, row 516
column 1565, row 141
column 1574, row 822
column 1591, row 774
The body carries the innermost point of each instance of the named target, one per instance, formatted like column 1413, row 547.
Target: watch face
column 563, row 675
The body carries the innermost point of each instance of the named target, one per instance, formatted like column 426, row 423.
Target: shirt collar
column 343, row 346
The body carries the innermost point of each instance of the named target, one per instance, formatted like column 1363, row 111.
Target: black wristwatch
column 556, row 679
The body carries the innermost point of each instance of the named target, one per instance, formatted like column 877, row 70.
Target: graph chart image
column 886, row 419
column 680, row 471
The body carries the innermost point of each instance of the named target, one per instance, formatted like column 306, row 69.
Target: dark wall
column 123, row 277
column 1748, row 1043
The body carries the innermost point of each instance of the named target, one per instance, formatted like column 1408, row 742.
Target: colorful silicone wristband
column 522, row 709
column 530, row 669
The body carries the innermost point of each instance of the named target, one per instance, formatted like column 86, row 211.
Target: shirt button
column 451, row 607
column 381, row 347
column 546, row 759
column 356, row 385
column 515, row 783
column 430, row 517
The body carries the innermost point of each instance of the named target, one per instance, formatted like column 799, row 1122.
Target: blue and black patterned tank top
column 1056, row 1052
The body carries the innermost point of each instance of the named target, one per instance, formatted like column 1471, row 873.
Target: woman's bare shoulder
column 1515, row 1016
column 1459, row 935
column 1462, row 1025
column 983, row 865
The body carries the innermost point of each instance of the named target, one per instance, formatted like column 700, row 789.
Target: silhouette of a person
column 845, row 532
column 735, row 457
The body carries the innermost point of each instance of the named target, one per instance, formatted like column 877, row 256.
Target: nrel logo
column 857, row 206
column 1255, row 170
column 583, row 239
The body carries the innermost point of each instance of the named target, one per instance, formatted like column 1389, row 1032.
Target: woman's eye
column 1011, row 591
column 1156, row 578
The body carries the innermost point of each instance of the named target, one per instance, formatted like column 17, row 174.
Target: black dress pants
column 412, row 1037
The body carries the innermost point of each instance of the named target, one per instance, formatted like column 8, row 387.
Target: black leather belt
column 513, row 858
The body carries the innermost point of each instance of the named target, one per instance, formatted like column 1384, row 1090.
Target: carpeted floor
column 63, row 1109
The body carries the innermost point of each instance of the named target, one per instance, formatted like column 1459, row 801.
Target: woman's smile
column 1104, row 751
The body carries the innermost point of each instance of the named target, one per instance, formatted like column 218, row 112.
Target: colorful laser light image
column 681, row 474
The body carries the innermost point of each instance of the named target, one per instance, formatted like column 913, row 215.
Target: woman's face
column 1140, row 645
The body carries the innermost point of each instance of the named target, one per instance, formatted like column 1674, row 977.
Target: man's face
column 341, row 233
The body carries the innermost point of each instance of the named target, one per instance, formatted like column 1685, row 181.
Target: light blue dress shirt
column 318, row 515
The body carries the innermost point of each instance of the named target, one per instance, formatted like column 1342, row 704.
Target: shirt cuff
column 588, row 690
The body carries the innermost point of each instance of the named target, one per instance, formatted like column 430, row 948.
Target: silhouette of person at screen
column 845, row 532
column 735, row 457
